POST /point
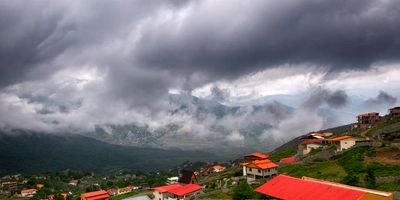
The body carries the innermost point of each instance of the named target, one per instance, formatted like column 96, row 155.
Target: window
column 250, row 169
column 259, row 171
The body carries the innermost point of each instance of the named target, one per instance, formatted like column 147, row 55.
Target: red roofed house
column 288, row 160
column 366, row 120
column 96, row 195
column 259, row 169
column 288, row 188
column 177, row 192
column 218, row 168
column 309, row 144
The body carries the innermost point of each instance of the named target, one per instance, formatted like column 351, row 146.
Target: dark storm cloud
column 382, row 98
column 319, row 96
column 243, row 38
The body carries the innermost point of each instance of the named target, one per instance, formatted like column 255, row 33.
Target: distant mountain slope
column 33, row 152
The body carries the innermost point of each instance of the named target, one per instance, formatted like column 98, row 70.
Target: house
column 345, row 142
column 172, row 180
column 73, row 182
column 28, row 192
column 394, row 112
column 124, row 190
column 112, row 191
column 187, row 177
column 307, row 145
column 366, row 120
column 39, row 186
column 96, row 195
column 218, row 168
column 259, row 169
column 177, row 192
column 288, row 188
column 255, row 156
column 288, row 160
column 9, row 186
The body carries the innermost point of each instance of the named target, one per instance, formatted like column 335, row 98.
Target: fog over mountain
column 195, row 74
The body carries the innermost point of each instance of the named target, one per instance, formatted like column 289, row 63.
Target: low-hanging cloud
column 383, row 98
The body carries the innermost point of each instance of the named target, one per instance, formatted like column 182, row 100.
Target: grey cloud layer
column 141, row 49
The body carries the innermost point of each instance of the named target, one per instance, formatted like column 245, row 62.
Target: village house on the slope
column 291, row 188
column 177, row 192
column 367, row 120
column 257, row 166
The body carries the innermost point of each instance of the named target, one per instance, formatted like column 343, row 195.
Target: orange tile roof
column 341, row 138
column 101, row 194
column 259, row 154
column 261, row 164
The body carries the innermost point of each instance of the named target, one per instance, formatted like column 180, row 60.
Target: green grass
column 123, row 196
column 385, row 170
column 276, row 157
column 352, row 160
column 328, row 170
column 219, row 195
column 390, row 187
column 385, row 124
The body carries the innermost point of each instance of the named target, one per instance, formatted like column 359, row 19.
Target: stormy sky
column 74, row 64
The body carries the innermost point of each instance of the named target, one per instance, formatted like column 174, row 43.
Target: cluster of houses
column 367, row 120
column 339, row 143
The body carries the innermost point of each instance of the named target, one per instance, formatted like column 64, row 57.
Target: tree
column 243, row 191
column 370, row 179
column 351, row 180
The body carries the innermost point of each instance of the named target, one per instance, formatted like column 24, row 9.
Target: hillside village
column 361, row 162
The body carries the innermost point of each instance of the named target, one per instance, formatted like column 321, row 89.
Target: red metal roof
column 289, row 160
column 167, row 188
column 286, row 187
column 186, row 189
column 101, row 194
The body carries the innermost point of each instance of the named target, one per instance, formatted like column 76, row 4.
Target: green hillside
column 34, row 152
column 376, row 167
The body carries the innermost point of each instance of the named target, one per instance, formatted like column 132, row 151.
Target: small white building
column 177, row 192
column 346, row 142
column 172, row 180
column 28, row 192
